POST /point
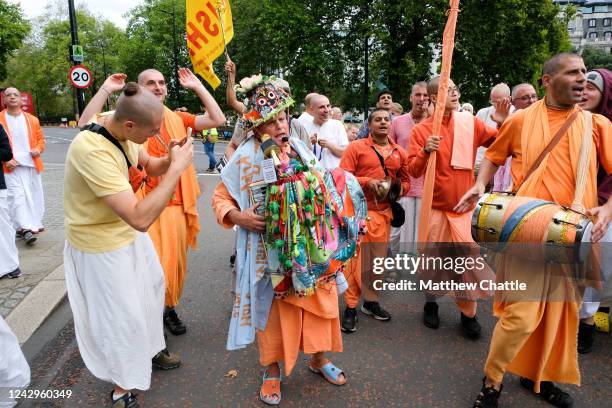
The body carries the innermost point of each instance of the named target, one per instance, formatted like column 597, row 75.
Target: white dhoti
column 117, row 299
column 592, row 297
column 14, row 369
column 9, row 259
column 404, row 238
column 26, row 198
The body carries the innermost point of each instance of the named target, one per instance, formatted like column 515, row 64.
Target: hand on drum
column 604, row 216
column 470, row 198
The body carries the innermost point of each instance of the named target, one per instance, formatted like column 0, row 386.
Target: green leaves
column 13, row 29
column 318, row 46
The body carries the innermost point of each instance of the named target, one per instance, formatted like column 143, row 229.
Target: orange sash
column 188, row 187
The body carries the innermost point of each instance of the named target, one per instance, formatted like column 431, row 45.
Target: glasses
column 453, row 89
column 526, row 98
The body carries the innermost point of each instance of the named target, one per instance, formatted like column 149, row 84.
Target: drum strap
column 551, row 145
column 583, row 162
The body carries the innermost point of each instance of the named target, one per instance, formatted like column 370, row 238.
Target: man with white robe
column 114, row 277
column 14, row 369
column 9, row 260
column 23, row 172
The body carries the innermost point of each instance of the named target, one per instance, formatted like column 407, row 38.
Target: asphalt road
column 58, row 140
column 399, row 363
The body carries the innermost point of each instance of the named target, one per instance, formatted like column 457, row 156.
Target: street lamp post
column 177, row 97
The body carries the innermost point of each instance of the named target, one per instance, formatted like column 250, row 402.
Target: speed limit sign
column 80, row 76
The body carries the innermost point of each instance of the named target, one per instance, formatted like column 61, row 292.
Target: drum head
column 585, row 243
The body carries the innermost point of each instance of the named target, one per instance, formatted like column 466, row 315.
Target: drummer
column 536, row 338
column 460, row 136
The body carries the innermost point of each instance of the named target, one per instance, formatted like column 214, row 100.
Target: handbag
column 399, row 215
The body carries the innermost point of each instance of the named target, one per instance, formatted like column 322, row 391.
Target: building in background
column 591, row 25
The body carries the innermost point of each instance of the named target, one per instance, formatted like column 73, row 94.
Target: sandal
column 270, row 392
column 328, row 371
column 550, row 393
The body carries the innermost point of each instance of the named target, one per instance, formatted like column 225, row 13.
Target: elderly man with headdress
column 291, row 246
column 597, row 98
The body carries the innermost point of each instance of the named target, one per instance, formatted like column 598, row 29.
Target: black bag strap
column 382, row 161
column 101, row 130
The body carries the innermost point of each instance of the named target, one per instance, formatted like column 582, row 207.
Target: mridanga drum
column 535, row 229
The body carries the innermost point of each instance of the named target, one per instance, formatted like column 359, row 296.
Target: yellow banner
column 207, row 21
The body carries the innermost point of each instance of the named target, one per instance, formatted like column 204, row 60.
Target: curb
column 34, row 309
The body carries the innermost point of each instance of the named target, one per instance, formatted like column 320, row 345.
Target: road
column 398, row 363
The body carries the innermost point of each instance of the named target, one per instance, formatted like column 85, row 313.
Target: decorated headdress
column 265, row 98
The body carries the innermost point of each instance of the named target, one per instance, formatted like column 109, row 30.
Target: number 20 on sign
column 80, row 76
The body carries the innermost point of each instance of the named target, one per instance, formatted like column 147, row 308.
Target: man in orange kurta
column 361, row 158
column 23, row 172
column 536, row 337
column 456, row 146
column 178, row 225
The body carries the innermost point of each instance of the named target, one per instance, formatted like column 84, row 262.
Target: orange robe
column 449, row 186
column 537, row 338
column 177, row 227
column 310, row 324
column 35, row 137
column 360, row 159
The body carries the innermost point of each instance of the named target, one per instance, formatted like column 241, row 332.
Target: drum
column 539, row 230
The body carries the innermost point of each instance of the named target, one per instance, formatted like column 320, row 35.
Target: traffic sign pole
column 80, row 77
column 80, row 96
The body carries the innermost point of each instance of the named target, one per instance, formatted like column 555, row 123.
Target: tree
column 41, row 65
column 596, row 58
column 13, row 29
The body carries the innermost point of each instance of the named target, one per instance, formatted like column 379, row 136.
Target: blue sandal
column 328, row 371
column 272, row 385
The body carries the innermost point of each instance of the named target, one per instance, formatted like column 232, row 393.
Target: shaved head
column 144, row 75
column 557, row 62
column 432, row 86
column 11, row 90
column 500, row 91
column 139, row 105
column 308, row 101
column 155, row 82
column 12, row 99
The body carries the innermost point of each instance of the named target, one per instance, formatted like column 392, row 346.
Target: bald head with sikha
column 138, row 114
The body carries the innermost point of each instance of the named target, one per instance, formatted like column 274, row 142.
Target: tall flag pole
column 448, row 44
column 209, row 29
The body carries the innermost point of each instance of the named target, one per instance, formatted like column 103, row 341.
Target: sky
column 111, row 9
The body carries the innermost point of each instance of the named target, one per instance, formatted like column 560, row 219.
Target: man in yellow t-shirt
column 114, row 278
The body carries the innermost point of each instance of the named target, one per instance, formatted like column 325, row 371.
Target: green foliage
column 41, row 66
column 13, row 29
column 318, row 46
column 596, row 58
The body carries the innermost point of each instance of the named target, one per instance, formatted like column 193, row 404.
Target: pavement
column 399, row 363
